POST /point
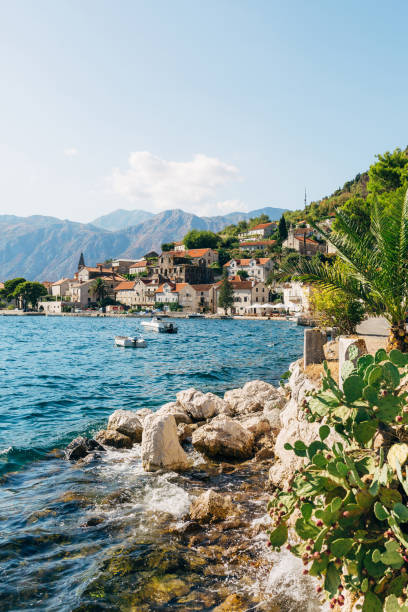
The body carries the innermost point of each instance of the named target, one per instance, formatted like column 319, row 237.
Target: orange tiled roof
column 307, row 240
column 139, row 264
column 197, row 252
column 125, row 286
column 262, row 226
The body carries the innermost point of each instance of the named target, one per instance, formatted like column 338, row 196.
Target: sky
column 209, row 106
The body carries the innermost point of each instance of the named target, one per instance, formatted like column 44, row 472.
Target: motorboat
column 156, row 324
column 130, row 341
column 196, row 315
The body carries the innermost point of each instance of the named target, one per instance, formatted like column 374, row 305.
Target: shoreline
column 114, row 315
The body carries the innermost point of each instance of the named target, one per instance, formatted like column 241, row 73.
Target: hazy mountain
column 121, row 219
column 46, row 248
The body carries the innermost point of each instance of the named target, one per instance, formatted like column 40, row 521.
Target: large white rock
column 257, row 424
column 143, row 413
column 294, row 427
column 253, row 397
column 160, row 444
column 177, row 411
column 127, row 423
column 224, row 437
column 241, row 403
column 201, row 406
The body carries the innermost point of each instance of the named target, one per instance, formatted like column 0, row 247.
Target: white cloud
column 71, row 152
column 166, row 184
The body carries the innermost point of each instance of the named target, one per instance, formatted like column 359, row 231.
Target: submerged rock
column 160, row 444
column 233, row 603
column 211, row 506
column 127, row 423
column 113, row 438
column 224, row 437
column 80, row 447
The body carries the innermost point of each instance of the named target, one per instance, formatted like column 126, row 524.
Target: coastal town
column 179, row 279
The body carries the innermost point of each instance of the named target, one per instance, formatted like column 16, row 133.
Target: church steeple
column 81, row 263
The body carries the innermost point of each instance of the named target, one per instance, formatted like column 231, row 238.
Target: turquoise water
column 61, row 377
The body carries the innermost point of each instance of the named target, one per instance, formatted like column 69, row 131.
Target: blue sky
column 210, row 106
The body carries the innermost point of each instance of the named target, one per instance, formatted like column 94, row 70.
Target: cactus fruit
column 352, row 528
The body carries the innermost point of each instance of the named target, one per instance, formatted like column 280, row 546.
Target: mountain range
column 46, row 248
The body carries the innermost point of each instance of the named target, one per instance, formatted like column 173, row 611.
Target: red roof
column 139, row 264
column 125, row 286
column 262, row 226
column 307, row 240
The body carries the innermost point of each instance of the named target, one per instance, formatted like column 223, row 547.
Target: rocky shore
column 228, row 455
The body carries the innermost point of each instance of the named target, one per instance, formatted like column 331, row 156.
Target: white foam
column 165, row 496
column 290, row 587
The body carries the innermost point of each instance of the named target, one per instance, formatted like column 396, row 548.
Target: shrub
column 351, row 499
column 337, row 309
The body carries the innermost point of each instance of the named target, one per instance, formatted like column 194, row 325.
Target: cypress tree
column 282, row 229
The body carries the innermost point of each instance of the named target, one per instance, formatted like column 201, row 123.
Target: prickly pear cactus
column 350, row 500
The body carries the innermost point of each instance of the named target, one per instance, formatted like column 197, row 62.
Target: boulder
column 111, row 437
column 257, row 424
column 210, row 507
column 160, row 444
column 224, row 437
column 185, row 431
column 80, row 447
column 143, row 413
column 299, row 384
column 263, row 391
column 240, row 403
column 294, row 426
column 201, row 405
column 273, row 417
column 177, row 410
column 127, row 423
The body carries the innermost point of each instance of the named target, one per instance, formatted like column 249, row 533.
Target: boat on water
column 157, row 325
column 130, row 341
column 196, row 315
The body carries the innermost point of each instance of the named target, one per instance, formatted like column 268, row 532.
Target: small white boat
column 196, row 315
column 130, row 341
column 157, row 325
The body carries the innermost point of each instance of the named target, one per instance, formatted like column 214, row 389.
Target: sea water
column 63, row 526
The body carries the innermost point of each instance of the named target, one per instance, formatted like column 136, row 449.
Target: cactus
column 353, row 523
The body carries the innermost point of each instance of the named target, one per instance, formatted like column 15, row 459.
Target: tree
column 98, row 290
column 243, row 274
column 337, row 309
column 29, row 292
column 201, row 239
column 390, row 172
column 167, row 246
column 9, row 288
column 358, row 210
column 226, row 294
column 282, row 229
column 374, row 266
